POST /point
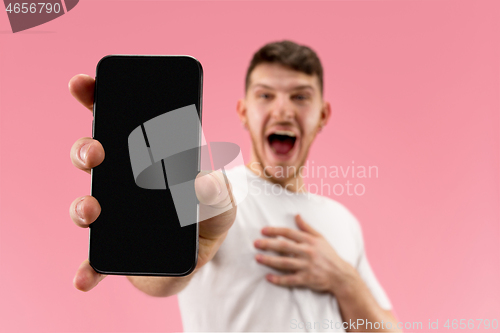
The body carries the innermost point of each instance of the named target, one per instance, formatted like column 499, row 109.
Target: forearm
column 357, row 302
column 160, row 286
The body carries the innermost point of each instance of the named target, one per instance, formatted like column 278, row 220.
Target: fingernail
column 258, row 257
column 79, row 209
column 258, row 243
column 216, row 184
column 84, row 150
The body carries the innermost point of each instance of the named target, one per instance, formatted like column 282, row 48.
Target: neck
column 294, row 183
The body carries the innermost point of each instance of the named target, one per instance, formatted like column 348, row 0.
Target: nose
column 282, row 109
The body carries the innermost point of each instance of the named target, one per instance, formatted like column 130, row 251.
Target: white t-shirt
column 231, row 293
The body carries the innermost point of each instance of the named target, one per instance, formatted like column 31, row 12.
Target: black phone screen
column 138, row 230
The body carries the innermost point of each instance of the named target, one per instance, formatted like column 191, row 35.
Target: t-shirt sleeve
column 367, row 274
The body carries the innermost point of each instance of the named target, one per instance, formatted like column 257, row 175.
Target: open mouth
column 282, row 142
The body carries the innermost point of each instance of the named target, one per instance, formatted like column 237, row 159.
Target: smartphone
column 138, row 231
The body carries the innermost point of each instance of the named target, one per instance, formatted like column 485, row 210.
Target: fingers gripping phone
column 138, row 231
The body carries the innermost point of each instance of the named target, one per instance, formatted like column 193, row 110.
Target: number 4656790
column 33, row 8
column 471, row 324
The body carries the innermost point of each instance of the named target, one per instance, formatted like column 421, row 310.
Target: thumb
column 217, row 208
column 305, row 226
column 212, row 190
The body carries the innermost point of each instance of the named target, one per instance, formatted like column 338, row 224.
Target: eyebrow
column 304, row 86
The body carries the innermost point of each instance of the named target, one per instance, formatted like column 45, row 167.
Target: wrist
column 160, row 286
column 345, row 283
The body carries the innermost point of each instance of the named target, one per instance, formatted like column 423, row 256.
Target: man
column 280, row 261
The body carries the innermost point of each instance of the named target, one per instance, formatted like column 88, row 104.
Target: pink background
column 415, row 90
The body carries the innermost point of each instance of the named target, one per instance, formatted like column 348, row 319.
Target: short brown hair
column 289, row 54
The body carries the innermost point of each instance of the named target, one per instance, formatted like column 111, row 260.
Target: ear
column 326, row 112
column 241, row 110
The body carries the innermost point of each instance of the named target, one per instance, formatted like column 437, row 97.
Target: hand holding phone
column 88, row 153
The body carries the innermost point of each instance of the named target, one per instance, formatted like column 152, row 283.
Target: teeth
column 288, row 133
